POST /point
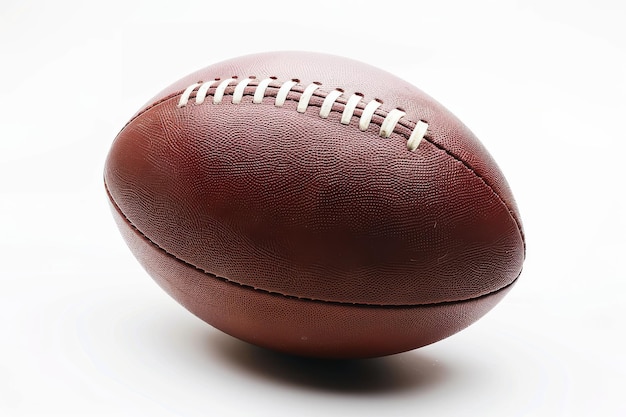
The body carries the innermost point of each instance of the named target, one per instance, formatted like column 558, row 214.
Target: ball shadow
column 391, row 374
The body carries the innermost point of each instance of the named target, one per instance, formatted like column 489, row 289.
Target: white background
column 84, row 331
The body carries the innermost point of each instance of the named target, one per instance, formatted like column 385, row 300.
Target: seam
column 487, row 184
column 151, row 106
column 281, row 89
column 250, row 287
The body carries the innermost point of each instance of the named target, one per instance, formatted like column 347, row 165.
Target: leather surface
column 293, row 204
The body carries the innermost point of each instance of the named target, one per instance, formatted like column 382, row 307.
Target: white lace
column 239, row 90
column 347, row 110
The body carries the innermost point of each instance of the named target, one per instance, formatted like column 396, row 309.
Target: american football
column 315, row 205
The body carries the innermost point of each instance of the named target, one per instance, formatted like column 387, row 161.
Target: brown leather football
column 315, row 205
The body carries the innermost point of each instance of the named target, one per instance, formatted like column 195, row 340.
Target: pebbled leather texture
column 279, row 205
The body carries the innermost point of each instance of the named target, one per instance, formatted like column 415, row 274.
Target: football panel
column 445, row 130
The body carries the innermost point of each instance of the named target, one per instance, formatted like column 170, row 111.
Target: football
column 315, row 205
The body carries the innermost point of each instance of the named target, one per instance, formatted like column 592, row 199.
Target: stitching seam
column 236, row 88
column 249, row 287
